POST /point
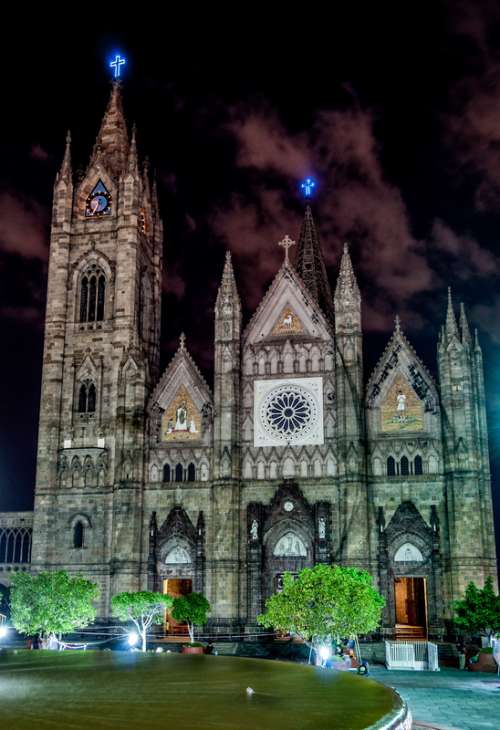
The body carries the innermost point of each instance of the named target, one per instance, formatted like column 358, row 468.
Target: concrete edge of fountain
column 398, row 719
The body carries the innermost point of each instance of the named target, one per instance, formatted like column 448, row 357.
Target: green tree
column 479, row 610
column 51, row 603
column 324, row 603
column 192, row 608
column 143, row 608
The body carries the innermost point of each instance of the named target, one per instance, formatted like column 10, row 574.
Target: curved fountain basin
column 129, row 690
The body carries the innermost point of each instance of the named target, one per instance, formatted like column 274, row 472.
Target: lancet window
column 92, row 295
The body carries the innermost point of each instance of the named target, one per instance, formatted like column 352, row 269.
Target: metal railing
column 416, row 655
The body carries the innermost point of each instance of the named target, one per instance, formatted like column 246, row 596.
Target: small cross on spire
column 182, row 341
column 286, row 243
column 308, row 186
column 116, row 65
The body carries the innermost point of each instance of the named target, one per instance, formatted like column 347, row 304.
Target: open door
column 411, row 608
column 176, row 587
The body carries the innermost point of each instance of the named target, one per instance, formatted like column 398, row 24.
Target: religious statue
column 401, row 404
column 322, row 528
column 181, row 417
column 254, row 530
column 192, row 426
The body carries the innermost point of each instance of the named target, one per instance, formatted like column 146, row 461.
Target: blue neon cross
column 308, row 186
column 116, row 65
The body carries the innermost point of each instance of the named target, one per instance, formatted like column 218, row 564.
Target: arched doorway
column 287, row 549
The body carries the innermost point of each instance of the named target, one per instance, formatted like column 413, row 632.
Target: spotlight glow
column 3, row 632
column 324, row 652
column 133, row 638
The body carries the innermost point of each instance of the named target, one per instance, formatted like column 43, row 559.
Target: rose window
column 288, row 412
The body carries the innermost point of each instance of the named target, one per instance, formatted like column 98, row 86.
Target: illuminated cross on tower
column 286, row 243
column 117, row 64
column 308, row 186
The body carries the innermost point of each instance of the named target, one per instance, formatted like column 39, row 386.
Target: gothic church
column 150, row 480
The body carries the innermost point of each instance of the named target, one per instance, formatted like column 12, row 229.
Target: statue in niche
column 254, row 530
column 181, row 417
column 322, row 528
column 401, row 404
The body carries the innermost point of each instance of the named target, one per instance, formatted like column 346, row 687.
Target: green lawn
column 94, row 690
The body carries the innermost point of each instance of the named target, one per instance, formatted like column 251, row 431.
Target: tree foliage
column 51, row 603
column 324, row 602
column 192, row 608
column 143, row 608
column 479, row 610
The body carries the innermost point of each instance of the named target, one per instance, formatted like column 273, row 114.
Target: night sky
column 396, row 114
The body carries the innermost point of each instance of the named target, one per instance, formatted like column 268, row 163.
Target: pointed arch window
column 87, row 398
column 417, row 466
column 78, row 534
column 391, row 467
column 92, row 295
column 405, row 466
column 82, row 399
column 191, row 472
column 179, row 473
column 166, row 473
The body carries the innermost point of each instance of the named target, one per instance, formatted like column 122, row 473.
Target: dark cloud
column 23, row 224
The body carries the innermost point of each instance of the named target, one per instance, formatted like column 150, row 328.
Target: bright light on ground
column 3, row 632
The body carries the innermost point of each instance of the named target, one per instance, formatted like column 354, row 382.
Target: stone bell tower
column 101, row 356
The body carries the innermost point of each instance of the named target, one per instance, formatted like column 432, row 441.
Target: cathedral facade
column 150, row 480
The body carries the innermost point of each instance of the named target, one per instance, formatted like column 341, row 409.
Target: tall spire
column 464, row 325
column 133, row 163
column 451, row 323
column 311, row 266
column 347, row 290
column 111, row 147
column 65, row 171
column 228, row 290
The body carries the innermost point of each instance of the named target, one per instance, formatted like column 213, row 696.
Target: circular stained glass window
column 288, row 412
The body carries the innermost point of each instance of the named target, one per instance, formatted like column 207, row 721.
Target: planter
column 485, row 663
column 193, row 650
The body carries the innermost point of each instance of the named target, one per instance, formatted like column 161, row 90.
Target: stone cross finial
column 397, row 323
column 182, row 341
column 286, row 243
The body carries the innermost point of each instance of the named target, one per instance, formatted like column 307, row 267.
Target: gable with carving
column 401, row 410
column 288, row 323
column 181, row 421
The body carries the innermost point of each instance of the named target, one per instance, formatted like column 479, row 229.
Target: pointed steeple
column 477, row 346
column 347, row 290
column 310, row 264
column 111, row 147
column 228, row 291
column 464, row 326
column 65, row 172
column 133, row 162
column 451, row 328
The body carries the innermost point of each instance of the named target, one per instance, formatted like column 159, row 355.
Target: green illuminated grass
column 94, row 690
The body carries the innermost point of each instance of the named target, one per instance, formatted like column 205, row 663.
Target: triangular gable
column 287, row 294
column 401, row 388
column 181, row 395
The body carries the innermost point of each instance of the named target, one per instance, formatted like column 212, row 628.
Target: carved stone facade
column 291, row 459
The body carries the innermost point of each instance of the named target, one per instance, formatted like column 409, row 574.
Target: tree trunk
column 191, row 631
column 143, row 639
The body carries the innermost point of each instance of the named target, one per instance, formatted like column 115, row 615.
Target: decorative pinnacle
column 182, row 341
column 286, row 243
column 451, row 322
column 397, row 325
column 66, row 163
